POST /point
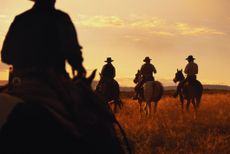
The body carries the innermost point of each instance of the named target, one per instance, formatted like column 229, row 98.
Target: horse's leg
column 182, row 102
column 194, row 104
column 140, row 104
column 198, row 99
column 155, row 106
column 187, row 106
column 147, row 108
column 150, row 107
column 195, row 107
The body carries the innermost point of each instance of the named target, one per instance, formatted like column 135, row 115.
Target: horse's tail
column 159, row 90
column 153, row 90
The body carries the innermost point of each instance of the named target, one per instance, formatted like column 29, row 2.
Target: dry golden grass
column 170, row 131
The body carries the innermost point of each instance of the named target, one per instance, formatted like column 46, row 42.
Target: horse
column 109, row 91
column 192, row 92
column 39, row 121
column 151, row 91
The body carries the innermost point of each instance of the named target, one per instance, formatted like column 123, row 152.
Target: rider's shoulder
column 61, row 13
column 24, row 15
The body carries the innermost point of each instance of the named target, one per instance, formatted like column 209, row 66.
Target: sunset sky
column 128, row 30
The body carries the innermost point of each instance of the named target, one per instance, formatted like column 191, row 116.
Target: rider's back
column 37, row 39
column 108, row 71
column 191, row 69
column 147, row 71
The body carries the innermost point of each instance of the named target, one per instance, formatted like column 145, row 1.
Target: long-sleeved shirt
column 191, row 69
column 41, row 38
column 108, row 71
column 147, row 71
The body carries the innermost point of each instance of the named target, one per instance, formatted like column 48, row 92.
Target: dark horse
column 190, row 91
column 109, row 91
column 151, row 91
column 39, row 121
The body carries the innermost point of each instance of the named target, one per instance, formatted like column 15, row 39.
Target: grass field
column 170, row 131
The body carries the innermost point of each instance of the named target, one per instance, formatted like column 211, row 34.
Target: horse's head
column 87, row 81
column 137, row 77
column 178, row 76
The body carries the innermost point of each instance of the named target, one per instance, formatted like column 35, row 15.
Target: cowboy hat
column 190, row 57
column 147, row 59
column 109, row 59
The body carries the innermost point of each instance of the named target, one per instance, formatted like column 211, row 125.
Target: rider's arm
column 196, row 72
column 70, row 43
column 154, row 69
column 142, row 69
column 114, row 72
column 186, row 69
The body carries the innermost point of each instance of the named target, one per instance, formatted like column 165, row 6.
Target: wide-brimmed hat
column 109, row 59
column 190, row 57
column 147, row 59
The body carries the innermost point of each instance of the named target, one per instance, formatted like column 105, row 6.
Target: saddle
column 106, row 81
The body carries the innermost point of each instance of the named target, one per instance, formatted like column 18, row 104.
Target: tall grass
column 171, row 131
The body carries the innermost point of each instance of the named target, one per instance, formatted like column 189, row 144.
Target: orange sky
column 167, row 31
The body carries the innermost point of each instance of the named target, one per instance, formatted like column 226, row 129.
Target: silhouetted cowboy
column 108, row 88
column 191, row 70
column 147, row 71
column 42, row 38
column 108, row 70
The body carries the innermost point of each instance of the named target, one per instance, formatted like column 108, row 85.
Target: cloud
column 151, row 25
column 141, row 22
column 162, row 33
column 186, row 29
column 115, row 21
column 100, row 21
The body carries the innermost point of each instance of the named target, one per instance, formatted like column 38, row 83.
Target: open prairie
column 171, row 131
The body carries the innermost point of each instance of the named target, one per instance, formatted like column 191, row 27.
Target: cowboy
column 108, row 73
column 147, row 71
column 191, row 70
column 108, row 70
column 42, row 38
